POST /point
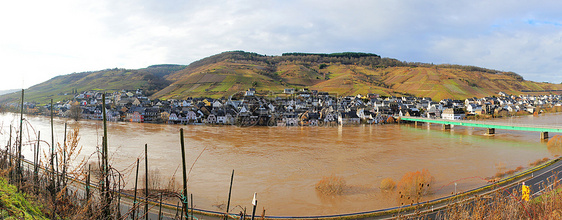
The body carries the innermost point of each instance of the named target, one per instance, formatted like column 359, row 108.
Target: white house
column 453, row 114
column 474, row 109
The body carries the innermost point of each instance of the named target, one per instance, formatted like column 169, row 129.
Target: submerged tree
column 75, row 112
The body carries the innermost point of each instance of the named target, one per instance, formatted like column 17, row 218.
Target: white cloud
column 48, row 38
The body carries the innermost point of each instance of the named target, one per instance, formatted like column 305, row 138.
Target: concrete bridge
column 490, row 125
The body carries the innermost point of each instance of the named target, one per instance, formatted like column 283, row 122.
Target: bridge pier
column 446, row 127
column 544, row 135
column 416, row 123
column 491, row 131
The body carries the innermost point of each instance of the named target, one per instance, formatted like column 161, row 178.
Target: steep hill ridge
column 340, row 73
column 227, row 73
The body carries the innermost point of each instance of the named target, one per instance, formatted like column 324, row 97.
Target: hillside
column 224, row 74
column 151, row 79
column 16, row 205
column 344, row 74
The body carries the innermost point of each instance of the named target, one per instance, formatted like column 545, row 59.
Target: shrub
column 415, row 183
column 390, row 120
column 555, row 141
column 388, row 184
column 521, row 113
column 331, row 185
column 554, row 145
column 154, row 179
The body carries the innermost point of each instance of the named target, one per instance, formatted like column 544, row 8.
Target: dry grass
column 415, row 183
column 538, row 162
column 331, row 185
column 479, row 117
column 496, row 206
column 388, row 184
column 501, row 174
column 553, row 109
column 508, row 205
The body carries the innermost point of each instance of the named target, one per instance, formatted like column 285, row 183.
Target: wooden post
column 88, row 185
column 52, row 153
column 192, row 207
column 229, row 194
column 57, row 187
column 36, row 162
column 64, row 161
column 9, row 150
column 255, row 204
column 146, row 182
column 105, row 192
column 160, row 209
column 182, row 211
column 19, row 173
column 184, row 199
column 107, row 198
column 177, row 210
column 135, row 193
column 119, row 198
column 254, row 210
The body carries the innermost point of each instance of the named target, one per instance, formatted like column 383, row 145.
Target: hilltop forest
column 346, row 73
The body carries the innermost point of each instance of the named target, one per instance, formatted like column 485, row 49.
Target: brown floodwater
column 283, row 164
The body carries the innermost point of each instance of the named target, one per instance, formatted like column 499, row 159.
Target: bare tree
column 75, row 112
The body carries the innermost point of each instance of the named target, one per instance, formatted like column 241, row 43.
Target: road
column 538, row 182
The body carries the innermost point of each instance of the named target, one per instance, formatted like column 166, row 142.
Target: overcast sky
column 42, row 39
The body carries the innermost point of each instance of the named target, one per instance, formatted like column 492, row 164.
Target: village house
column 135, row 114
column 320, row 107
column 453, row 114
column 191, row 116
column 473, row 108
column 348, row 118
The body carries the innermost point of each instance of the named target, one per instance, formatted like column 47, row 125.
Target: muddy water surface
column 283, row 164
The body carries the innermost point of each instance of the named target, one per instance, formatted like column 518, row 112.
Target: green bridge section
column 544, row 129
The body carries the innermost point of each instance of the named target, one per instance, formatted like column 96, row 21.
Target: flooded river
column 283, row 164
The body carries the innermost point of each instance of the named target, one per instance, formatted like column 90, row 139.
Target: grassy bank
column 504, row 205
column 16, row 205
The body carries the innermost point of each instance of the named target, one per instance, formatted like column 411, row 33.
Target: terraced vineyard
column 227, row 73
